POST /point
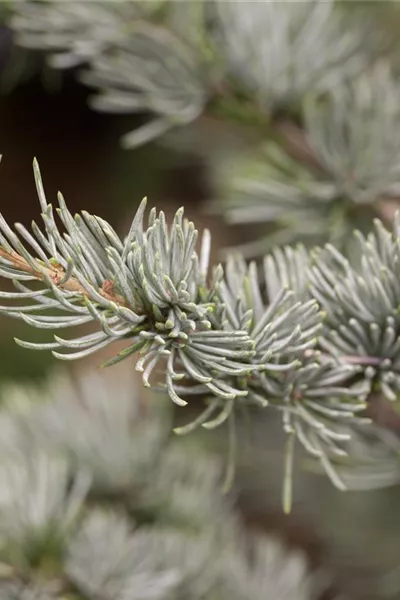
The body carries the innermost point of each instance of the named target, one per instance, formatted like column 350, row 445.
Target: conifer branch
column 309, row 335
column 83, row 473
column 173, row 61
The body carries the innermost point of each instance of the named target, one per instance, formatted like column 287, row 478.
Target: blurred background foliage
column 271, row 123
column 99, row 501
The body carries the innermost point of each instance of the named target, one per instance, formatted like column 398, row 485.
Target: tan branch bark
column 56, row 274
column 296, row 144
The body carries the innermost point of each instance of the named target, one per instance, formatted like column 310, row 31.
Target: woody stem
column 55, row 274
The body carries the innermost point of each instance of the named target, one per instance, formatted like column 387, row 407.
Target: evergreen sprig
column 353, row 132
column 176, row 60
column 311, row 336
column 153, row 71
column 268, row 186
column 361, row 300
column 257, row 579
column 72, row 33
column 137, row 58
column 280, row 52
column 101, row 541
column 324, row 70
column 350, row 133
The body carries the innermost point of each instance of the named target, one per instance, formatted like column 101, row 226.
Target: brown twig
column 373, row 361
column 56, row 274
column 296, row 144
